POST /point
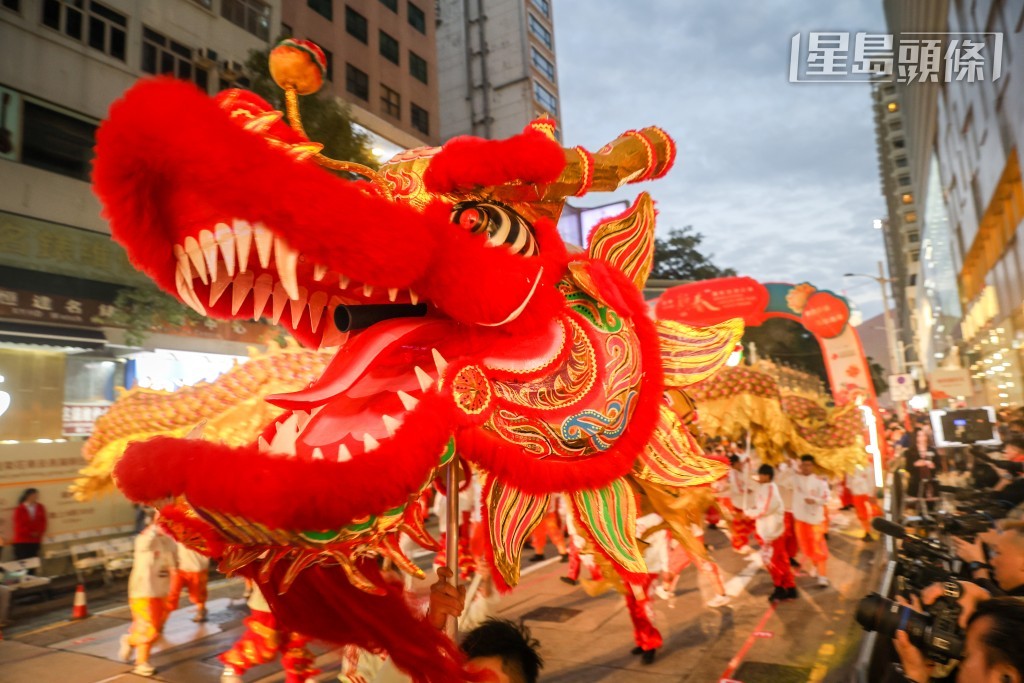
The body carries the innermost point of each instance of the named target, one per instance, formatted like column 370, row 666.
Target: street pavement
column 583, row 639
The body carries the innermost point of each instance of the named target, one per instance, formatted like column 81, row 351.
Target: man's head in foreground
column 504, row 649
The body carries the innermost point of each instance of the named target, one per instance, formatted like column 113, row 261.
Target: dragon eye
column 502, row 226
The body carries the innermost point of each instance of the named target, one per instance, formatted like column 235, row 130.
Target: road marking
column 737, row 659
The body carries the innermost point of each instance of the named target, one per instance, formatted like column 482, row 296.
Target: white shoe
column 663, row 593
column 144, row 670
column 812, row 572
column 823, row 582
column 124, row 651
column 718, row 601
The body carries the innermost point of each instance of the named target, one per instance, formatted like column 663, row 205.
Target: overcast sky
column 780, row 178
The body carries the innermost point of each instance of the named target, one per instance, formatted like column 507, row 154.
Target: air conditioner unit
column 231, row 70
column 206, row 58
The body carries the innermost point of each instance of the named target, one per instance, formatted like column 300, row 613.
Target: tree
column 326, row 119
column 678, row 257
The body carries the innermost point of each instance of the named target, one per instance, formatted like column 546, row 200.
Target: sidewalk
column 583, row 639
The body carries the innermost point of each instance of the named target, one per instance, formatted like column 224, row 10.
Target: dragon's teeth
column 367, row 290
column 208, row 243
column 439, row 362
column 369, row 443
column 318, row 454
column 195, row 257
column 262, row 444
column 286, row 260
column 319, row 271
column 408, row 401
column 392, row 293
column 425, row 380
column 391, row 424
column 343, row 453
column 264, row 244
column 226, row 243
column 243, row 285
column 280, row 299
column 343, row 282
column 217, row 289
column 243, row 241
column 414, row 298
column 185, row 291
column 261, row 292
column 317, row 306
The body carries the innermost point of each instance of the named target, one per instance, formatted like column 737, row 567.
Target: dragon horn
column 633, row 157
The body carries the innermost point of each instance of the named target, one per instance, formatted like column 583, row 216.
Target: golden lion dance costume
column 538, row 367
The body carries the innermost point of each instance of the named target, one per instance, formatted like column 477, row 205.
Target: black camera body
column 936, row 632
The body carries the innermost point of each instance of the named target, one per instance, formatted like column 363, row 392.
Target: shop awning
column 51, row 335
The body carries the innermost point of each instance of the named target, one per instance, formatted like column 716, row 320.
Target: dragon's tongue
column 364, row 353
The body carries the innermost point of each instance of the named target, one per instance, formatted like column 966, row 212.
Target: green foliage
column 678, row 257
column 327, row 120
column 143, row 309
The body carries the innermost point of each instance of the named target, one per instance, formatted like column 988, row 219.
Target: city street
column 583, row 639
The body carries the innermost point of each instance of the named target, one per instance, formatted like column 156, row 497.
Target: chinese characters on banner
column 79, row 417
column 842, row 57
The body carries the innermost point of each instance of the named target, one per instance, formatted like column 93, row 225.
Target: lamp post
column 895, row 357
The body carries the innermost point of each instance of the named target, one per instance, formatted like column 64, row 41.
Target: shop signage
column 52, row 309
column 825, row 315
column 901, row 387
column 78, row 418
column 950, row 383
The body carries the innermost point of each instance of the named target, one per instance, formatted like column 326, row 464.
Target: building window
column 420, row 119
column 901, row 162
column 417, row 19
column 388, row 47
column 355, row 24
column 14, row 5
column 208, row 4
column 286, row 30
column 899, row 143
column 904, row 180
column 417, row 67
column 542, row 63
column 100, row 28
column 252, row 15
column 357, row 82
column 330, row 63
column 391, row 5
column 546, row 99
column 324, row 8
column 896, row 125
column 161, row 55
column 913, row 237
column 390, row 102
column 538, row 29
column 907, row 198
column 911, row 217
column 543, row 5
column 57, row 142
column 892, row 107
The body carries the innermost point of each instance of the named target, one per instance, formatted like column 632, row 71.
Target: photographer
column 1005, row 574
column 992, row 652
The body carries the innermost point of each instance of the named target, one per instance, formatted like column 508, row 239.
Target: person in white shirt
column 862, row 487
column 768, row 512
column 193, row 572
column 148, row 585
column 785, row 479
column 741, row 492
column 810, row 496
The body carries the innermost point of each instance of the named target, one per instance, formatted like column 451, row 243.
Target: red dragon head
column 538, row 367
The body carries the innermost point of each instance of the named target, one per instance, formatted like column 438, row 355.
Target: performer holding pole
column 451, row 628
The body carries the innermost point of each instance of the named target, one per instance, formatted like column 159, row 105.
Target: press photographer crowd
column 951, row 604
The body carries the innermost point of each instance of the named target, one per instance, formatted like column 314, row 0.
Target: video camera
column 936, row 631
column 920, row 562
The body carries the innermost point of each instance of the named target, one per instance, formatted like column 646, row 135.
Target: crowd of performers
column 781, row 510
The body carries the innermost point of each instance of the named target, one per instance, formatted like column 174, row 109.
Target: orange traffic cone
column 79, row 610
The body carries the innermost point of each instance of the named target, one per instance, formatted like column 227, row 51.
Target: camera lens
column 875, row 613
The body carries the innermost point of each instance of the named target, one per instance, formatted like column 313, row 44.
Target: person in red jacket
column 29, row 525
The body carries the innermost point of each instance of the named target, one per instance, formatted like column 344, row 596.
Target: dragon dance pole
column 451, row 627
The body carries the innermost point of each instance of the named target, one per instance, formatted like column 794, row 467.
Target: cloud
column 780, row 178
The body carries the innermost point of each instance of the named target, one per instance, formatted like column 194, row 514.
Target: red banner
column 707, row 302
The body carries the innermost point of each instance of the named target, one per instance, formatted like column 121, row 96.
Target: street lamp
column 890, row 331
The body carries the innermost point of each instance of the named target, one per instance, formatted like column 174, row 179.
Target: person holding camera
column 992, row 650
column 1004, row 573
